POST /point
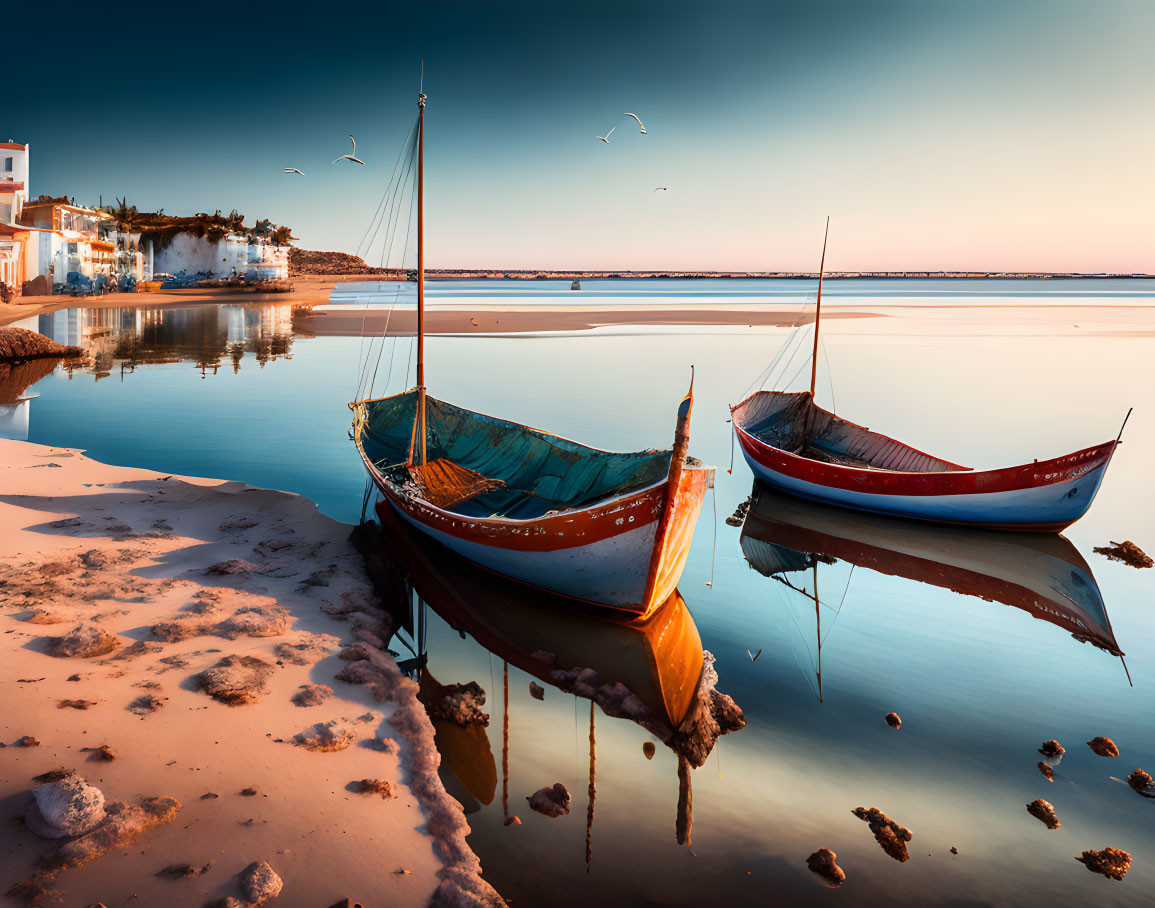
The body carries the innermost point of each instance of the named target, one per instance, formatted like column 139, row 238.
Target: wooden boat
column 798, row 447
column 599, row 527
column 1044, row 575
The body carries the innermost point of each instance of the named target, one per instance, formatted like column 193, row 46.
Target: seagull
column 660, row 189
column 350, row 157
column 753, row 656
column 640, row 123
column 606, row 137
column 294, row 170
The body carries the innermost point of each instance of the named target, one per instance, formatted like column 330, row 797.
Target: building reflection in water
column 15, row 397
column 119, row 339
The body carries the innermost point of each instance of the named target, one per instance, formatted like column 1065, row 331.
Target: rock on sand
column 66, row 807
column 260, row 883
column 236, row 680
column 83, row 641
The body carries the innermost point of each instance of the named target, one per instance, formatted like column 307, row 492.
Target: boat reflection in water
column 651, row 670
column 1043, row 575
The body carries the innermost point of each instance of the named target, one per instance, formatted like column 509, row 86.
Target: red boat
column 798, row 447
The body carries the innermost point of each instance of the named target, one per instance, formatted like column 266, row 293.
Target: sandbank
column 128, row 552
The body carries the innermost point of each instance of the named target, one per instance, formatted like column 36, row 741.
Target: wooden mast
column 421, row 272
column 817, row 311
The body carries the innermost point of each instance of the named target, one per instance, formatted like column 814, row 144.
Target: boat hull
column 600, row 555
column 1038, row 497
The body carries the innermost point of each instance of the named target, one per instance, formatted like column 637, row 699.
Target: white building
column 236, row 255
column 13, row 181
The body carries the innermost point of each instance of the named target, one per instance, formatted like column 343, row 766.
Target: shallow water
column 979, row 684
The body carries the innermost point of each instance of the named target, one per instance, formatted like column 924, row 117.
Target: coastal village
column 334, row 580
column 50, row 244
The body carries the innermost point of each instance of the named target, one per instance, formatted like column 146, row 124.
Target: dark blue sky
column 937, row 134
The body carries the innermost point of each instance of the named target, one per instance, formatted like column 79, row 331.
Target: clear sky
column 959, row 134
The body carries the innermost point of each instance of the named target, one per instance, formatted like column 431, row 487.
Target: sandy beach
column 196, row 627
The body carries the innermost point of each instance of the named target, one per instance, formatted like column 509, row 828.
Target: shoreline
column 179, row 576
column 313, row 315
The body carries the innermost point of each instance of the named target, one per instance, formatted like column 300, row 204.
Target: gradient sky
column 937, row 134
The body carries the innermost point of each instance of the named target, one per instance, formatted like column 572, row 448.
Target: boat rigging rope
column 385, row 215
column 840, row 602
column 375, row 223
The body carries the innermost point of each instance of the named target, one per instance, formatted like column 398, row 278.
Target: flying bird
column 640, row 123
column 606, row 137
column 350, row 157
column 294, row 170
column 660, row 189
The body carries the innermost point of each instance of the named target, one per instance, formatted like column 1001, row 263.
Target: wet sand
column 127, row 553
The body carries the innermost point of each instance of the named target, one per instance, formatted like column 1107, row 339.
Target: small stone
column 513, row 820
column 1104, row 747
column 233, row 566
column 94, row 559
column 1127, row 552
column 312, row 695
column 648, row 749
column 953, row 850
column 1052, row 749
column 891, row 837
column 145, row 704
column 249, row 792
column 1111, row 862
column 27, row 741
column 260, row 882
column 182, row 871
column 893, row 720
column 1046, row 771
column 1142, row 783
column 53, row 775
column 374, row 786
column 101, row 754
column 324, row 738
column 536, row 691
column 552, row 801
column 822, row 863
column 75, row 704
column 1045, row 812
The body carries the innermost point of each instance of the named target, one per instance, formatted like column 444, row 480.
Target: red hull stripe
column 551, row 533
column 883, row 482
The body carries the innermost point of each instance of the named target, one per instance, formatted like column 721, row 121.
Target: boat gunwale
column 520, row 425
column 1102, row 453
column 1101, row 458
column 959, row 468
column 507, row 524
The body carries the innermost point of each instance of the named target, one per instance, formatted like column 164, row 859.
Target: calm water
column 979, row 684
